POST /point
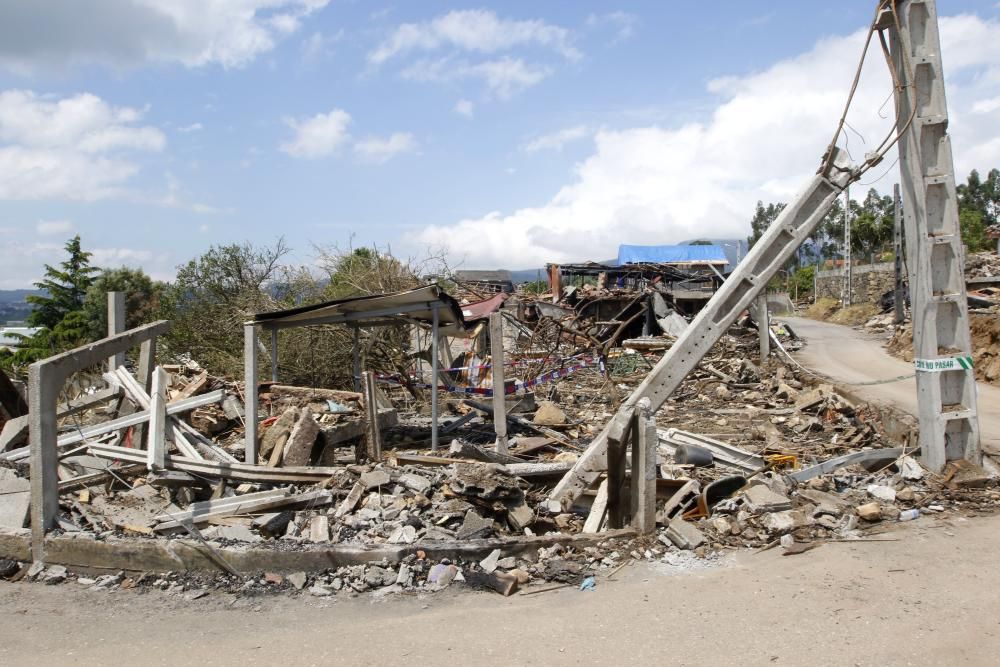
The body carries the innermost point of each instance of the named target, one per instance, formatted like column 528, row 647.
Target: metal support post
column 499, row 394
column 250, row 388
column 274, row 355
column 434, row 378
column 116, row 325
column 899, row 298
column 942, row 350
column 356, row 357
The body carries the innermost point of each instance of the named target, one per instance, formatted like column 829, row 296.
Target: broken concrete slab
column 683, row 534
column 885, row 493
column 760, row 498
column 298, row 449
column 14, row 433
column 474, row 526
column 280, row 428
column 415, row 482
column 490, row 563
column 909, row 469
column 375, row 478
column 15, row 499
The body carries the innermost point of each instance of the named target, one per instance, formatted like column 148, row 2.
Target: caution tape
column 959, row 363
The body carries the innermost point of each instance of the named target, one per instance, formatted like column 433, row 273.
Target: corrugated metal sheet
column 671, row 254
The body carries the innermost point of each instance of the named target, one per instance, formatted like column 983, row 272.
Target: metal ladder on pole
column 942, row 348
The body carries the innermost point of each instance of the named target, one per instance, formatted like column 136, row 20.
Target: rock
column 320, row 591
column 549, row 414
column 298, row 449
column 522, row 576
column 475, row 526
column 35, row 569
column 906, row 495
column 375, row 478
column 890, row 512
column 720, row 525
column 683, row 534
column 54, row 574
column 379, row 576
column 273, row 578
column 86, row 581
column 489, row 564
column 405, row 575
column 386, row 591
column 507, row 563
column 885, row 493
column 297, row 579
column 870, row 512
column 415, row 482
column 962, row 474
column 909, row 469
column 403, row 535
column 760, row 498
column 777, row 523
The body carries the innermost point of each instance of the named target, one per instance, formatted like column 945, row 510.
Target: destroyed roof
column 501, row 276
column 671, row 254
column 415, row 304
column 480, row 310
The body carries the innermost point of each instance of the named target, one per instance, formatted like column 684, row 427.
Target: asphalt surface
column 850, row 355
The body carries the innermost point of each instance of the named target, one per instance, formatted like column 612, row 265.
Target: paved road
column 927, row 599
column 849, row 355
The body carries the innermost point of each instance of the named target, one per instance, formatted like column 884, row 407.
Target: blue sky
column 506, row 134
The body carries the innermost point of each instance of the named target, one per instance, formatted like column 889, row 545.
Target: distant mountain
column 18, row 295
column 13, row 307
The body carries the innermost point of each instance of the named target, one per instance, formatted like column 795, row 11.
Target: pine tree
column 64, row 287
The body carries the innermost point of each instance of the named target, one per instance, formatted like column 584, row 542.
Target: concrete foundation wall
column 868, row 282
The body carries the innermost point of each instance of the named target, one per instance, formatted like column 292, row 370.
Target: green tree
column 64, row 287
column 979, row 208
column 142, row 299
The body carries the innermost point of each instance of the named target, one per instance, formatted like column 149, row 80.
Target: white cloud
column 380, row 150
column 318, row 136
column 126, row 33
column 476, row 30
column 556, row 140
column 622, row 23
column 107, row 257
column 763, row 140
column 69, row 148
column 193, row 127
column 318, row 46
column 464, row 108
column 504, row 77
column 53, row 227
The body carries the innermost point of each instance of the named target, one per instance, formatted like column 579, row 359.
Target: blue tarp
column 670, row 254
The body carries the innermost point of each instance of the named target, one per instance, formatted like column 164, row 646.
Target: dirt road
column 927, row 599
column 849, row 355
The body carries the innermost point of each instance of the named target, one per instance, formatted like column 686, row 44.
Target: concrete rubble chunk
column 415, row 482
column 489, row 564
column 297, row 579
column 282, row 427
column 520, row 516
column 909, row 469
column 351, row 501
column 508, row 563
column 885, row 493
column 826, row 503
column 298, row 449
column 403, row 535
column 474, row 526
column 549, row 414
column 683, row 534
column 375, row 478
column 962, row 474
column 319, row 528
column 760, row 498
column 870, row 512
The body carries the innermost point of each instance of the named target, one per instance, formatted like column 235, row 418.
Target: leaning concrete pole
column 777, row 245
column 942, row 348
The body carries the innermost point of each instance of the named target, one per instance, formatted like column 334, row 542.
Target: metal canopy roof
column 375, row 310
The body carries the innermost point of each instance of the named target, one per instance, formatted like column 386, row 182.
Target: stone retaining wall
column 868, row 282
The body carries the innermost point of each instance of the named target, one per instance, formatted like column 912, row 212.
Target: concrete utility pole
column 942, row 349
column 899, row 299
column 116, row 325
column 846, row 299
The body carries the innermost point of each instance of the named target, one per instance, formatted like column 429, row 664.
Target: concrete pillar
column 643, row 487
column 499, row 397
column 116, row 325
column 763, row 327
column 250, row 387
column 434, row 378
column 44, row 383
column 156, row 452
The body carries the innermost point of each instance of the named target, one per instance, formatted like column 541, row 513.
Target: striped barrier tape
column 960, row 363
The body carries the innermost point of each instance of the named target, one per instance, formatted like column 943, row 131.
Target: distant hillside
column 13, row 307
